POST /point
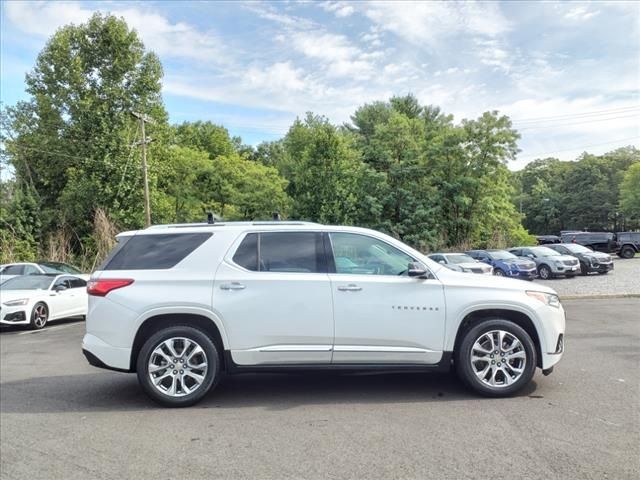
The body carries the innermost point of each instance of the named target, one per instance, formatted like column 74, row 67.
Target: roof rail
column 221, row 224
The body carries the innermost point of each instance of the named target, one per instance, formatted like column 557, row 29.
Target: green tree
column 72, row 140
column 630, row 196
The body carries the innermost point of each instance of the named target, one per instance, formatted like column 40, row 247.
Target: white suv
column 183, row 304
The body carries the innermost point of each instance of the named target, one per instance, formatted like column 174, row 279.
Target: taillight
column 101, row 287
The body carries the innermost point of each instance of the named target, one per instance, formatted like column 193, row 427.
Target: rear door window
column 284, row 252
column 13, row 270
column 154, row 252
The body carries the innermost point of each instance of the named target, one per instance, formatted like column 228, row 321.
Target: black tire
column 604, row 273
column 627, row 252
column 464, row 366
column 39, row 316
column 211, row 376
column 498, row 272
column 584, row 270
column 569, row 276
column 544, row 272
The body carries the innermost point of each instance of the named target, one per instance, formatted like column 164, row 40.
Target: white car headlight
column 558, row 263
column 546, row 298
column 15, row 303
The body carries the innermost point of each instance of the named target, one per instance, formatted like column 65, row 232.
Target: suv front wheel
column 496, row 358
column 178, row 366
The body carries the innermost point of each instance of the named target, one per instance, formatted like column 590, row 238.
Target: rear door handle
column 232, row 286
column 349, row 288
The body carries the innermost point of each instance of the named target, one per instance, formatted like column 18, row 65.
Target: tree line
column 398, row 166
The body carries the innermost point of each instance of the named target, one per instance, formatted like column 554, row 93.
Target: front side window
column 283, row 252
column 30, row 270
column 363, row 255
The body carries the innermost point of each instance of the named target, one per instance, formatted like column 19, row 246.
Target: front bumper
column 566, row 270
column 101, row 354
column 525, row 274
column 552, row 338
column 600, row 267
column 14, row 315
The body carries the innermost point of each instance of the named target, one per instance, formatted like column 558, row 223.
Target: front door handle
column 349, row 288
column 232, row 286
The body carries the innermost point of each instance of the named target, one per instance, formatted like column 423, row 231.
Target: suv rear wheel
column 627, row 252
column 177, row 366
column 496, row 358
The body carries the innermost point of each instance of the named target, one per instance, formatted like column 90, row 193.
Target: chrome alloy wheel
column 498, row 358
column 177, row 366
column 40, row 316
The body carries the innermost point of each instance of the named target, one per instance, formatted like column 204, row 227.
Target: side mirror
column 416, row 270
column 60, row 288
column 441, row 261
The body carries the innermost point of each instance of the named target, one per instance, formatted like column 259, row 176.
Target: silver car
column 461, row 262
column 549, row 262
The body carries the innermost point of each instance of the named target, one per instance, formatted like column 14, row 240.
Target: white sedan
column 35, row 299
column 461, row 262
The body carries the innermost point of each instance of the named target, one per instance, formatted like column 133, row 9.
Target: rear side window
column 291, row 252
column 77, row 283
column 154, row 252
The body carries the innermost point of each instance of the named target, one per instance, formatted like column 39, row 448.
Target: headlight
column 546, row 298
column 594, row 261
column 558, row 263
column 15, row 303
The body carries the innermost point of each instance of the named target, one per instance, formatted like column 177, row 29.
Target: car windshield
column 460, row 258
column 28, row 282
column 56, row 267
column 544, row 252
column 502, row 255
column 575, row 248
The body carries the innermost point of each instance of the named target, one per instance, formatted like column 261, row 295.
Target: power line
column 570, row 124
column 611, row 111
column 580, row 147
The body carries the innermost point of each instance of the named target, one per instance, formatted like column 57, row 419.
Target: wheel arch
column 520, row 318
column 155, row 323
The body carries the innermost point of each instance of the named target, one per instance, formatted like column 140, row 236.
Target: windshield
column 27, row 282
column 55, row 267
column 457, row 259
column 502, row 255
column 544, row 252
column 575, row 248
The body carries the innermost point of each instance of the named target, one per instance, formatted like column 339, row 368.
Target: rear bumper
column 101, row 354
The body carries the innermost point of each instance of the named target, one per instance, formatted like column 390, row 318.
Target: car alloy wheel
column 177, row 366
column 39, row 316
column 498, row 358
column 498, row 273
column 544, row 272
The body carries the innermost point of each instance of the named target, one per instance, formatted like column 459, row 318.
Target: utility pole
column 147, row 208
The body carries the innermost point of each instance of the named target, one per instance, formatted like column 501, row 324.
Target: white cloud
column 428, row 22
column 278, row 76
column 339, row 9
column 580, row 13
column 176, row 40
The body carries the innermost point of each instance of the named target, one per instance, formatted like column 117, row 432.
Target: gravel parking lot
column 61, row 418
column 623, row 280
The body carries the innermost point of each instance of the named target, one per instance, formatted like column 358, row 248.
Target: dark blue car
column 506, row 264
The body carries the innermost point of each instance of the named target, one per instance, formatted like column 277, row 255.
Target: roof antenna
column 275, row 216
column 210, row 219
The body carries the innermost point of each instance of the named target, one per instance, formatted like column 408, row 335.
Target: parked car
column 547, row 239
column 461, row 262
column 629, row 244
column 590, row 261
column 181, row 305
column 37, row 299
column 505, row 264
column 599, row 241
column 11, row 270
column 550, row 263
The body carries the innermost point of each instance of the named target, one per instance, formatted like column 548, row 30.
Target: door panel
column 282, row 311
column 388, row 320
column 383, row 315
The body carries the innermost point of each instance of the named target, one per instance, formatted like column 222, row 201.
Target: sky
column 567, row 73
